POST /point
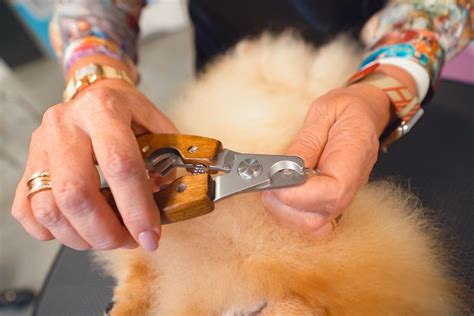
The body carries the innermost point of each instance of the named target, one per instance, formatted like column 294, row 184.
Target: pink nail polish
column 148, row 240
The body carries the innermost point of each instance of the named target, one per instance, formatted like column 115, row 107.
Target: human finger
column 118, row 155
column 76, row 186
column 309, row 222
column 344, row 165
column 47, row 213
column 21, row 207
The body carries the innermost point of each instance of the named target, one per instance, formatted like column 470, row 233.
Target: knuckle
column 336, row 200
column 314, row 222
column 42, row 236
column 48, row 217
column 100, row 94
column 78, row 247
column 72, row 196
column 136, row 219
column 338, row 98
column 104, row 102
column 320, row 109
column 341, row 202
column 19, row 215
column 344, row 99
column 25, row 220
column 120, row 166
column 366, row 142
column 53, row 116
column 333, row 206
column 310, row 142
column 316, row 108
column 107, row 243
column 286, row 197
column 36, row 136
column 101, row 99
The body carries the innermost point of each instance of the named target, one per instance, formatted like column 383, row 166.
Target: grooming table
column 435, row 161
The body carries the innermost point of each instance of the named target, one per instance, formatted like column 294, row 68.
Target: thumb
column 309, row 145
column 311, row 139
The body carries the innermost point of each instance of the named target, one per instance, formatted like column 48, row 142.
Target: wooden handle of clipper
column 192, row 149
column 187, row 197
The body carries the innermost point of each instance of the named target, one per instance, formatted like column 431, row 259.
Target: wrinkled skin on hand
column 100, row 124
column 340, row 139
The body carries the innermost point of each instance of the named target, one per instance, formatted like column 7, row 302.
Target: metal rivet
column 249, row 168
column 193, row 149
column 181, row 187
column 287, row 172
column 145, row 149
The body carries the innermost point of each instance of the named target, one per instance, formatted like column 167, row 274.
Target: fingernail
column 148, row 240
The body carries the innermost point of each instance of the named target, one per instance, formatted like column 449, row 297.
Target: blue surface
column 38, row 26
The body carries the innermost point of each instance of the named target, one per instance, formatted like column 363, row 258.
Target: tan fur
column 382, row 258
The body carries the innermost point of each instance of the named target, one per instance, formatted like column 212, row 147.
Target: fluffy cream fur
column 381, row 259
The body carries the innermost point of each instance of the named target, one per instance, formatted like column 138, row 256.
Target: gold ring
column 39, row 174
column 39, row 181
column 335, row 221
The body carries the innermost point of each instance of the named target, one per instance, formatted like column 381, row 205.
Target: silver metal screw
column 193, row 149
column 287, row 172
column 249, row 168
column 181, row 187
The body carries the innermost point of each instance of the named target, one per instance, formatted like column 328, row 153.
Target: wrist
column 401, row 89
column 90, row 75
column 102, row 60
column 114, row 84
column 383, row 113
column 400, row 74
column 376, row 103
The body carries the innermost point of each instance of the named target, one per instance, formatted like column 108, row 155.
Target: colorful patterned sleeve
column 423, row 32
column 82, row 28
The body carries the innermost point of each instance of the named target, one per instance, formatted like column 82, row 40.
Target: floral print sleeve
column 95, row 27
column 424, row 31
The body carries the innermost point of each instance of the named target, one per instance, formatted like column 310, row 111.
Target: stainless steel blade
column 252, row 172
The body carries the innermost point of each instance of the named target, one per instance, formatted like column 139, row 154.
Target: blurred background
column 31, row 81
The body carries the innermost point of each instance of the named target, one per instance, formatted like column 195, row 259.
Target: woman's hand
column 100, row 122
column 340, row 139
